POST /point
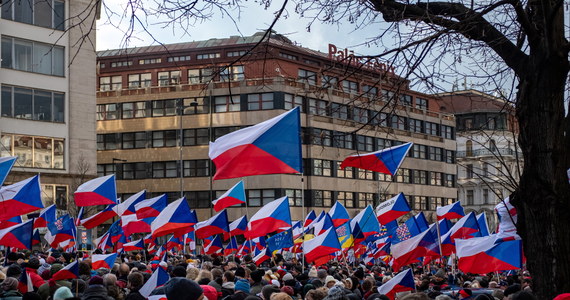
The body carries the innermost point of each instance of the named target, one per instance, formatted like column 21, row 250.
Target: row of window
column 482, row 121
column 157, row 60
column 32, row 56
column 157, row 169
column 44, row 13
column 34, row 151
column 32, row 104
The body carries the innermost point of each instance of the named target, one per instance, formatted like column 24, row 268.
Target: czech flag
column 134, row 246
column 487, row 254
column 451, row 211
column 385, row 161
column 47, row 215
column 127, row 207
column 215, row 225
column 106, row 261
column 212, row 245
column 174, row 242
column 175, row 218
column 339, row 214
column 421, row 221
column 68, row 272
column 233, row 196
column 232, row 246
column 36, row 239
column 271, row 217
column 323, row 224
column 18, row 236
column 151, row 208
column 131, row 224
column 392, row 209
column 466, row 228
column 408, row 251
column 270, row 147
column 6, row 164
column 322, row 245
column 310, row 219
column 11, row 222
column 482, row 220
column 367, row 222
column 402, row 282
column 157, row 279
column 20, row 198
column 261, row 255
column 104, row 242
column 237, row 227
column 99, row 218
column 98, row 191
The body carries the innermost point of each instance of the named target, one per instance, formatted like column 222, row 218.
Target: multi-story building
column 159, row 106
column 487, row 151
column 47, row 78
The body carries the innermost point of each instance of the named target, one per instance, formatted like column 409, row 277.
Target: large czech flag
column 212, row 245
column 322, row 245
column 99, row 218
column 131, row 224
column 392, row 209
column 99, row 191
column 47, row 215
column 106, row 261
column 339, row 214
column 175, row 218
column 261, row 255
column 488, row 254
column 68, row 272
column 466, row 228
column 270, row 147
column 134, row 245
column 402, row 282
column 272, row 217
column 18, row 236
column 451, row 211
column 233, row 196
column 408, row 251
column 127, row 207
column 6, row 164
column 151, row 208
column 20, row 198
column 11, row 222
column 231, row 247
column 385, row 161
column 157, row 279
column 237, row 227
column 215, row 225
column 367, row 222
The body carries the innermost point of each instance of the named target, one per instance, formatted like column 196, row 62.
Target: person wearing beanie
column 256, row 277
column 210, row 292
column 10, row 289
column 181, row 288
column 268, row 290
column 62, row 293
column 47, row 289
column 313, row 272
column 14, row 271
column 242, row 285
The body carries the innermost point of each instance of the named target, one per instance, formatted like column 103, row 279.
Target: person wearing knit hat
column 45, row 290
column 210, row 292
column 10, row 289
column 335, row 293
column 181, row 288
column 288, row 290
column 241, row 285
column 313, row 272
column 330, row 281
column 62, row 293
column 288, row 277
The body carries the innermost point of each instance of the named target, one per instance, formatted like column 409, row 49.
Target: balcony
column 487, row 152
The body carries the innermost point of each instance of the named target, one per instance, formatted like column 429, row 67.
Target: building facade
column 488, row 159
column 159, row 106
column 47, row 78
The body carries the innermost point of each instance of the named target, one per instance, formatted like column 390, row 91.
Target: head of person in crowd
column 181, row 288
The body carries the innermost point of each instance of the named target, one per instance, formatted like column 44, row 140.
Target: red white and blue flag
column 68, row 272
column 63, row 229
column 323, row 223
column 259, row 256
column 20, row 198
column 18, row 236
column 402, row 282
column 321, row 245
column 408, row 251
column 217, row 224
column 99, row 218
column 237, row 227
column 11, row 222
column 274, row 216
column 212, row 245
column 231, row 247
column 451, row 211
column 98, row 191
column 483, row 227
column 270, row 147
column 134, row 245
column 6, row 164
column 47, row 215
column 488, row 254
column 127, row 207
column 157, row 279
column 339, row 214
column 309, row 219
column 131, row 224
column 233, row 196
column 385, row 161
column 466, row 228
column 176, row 218
column 150, row 208
column 392, row 209
column 367, row 222
column 106, row 261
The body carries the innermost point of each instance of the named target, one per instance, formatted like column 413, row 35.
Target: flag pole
column 438, row 237
column 303, row 219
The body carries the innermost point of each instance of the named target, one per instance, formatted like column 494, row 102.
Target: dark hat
column 180, row 288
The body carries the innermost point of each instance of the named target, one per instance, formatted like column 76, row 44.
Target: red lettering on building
column 347, row 56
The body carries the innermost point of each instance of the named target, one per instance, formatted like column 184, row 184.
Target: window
column 162, row 108
column 469, row 171
column 40, row 105
column 416, row 125
column 350, row 86
column 339, row 111
column 105, row 169
column 34, row 151
column 379, row 118
column 469, row 197
column 149, row 61
column 436, row 178
column 232, row 73
column 435, row 153
column 365, row 143
column 486, row 196
column 260, row 197
column 31, row 56
column 343, row 140
column 469, row 148
column 449, row 180
column 196, row 168
column 108, row 141
column 134, row 140
column 139, row 80
column 321, row 137
column 110, row 83
column 164, row 169
column 360, row 115
column 419, row 177
column 492, row 146
column 288, row 56
column 485, row 169
column 346, row 198
column 398, row 122
column 125, row 63
column 199, row 199
column 165, row 138
column 178, row 58
column 308, row 77
column 193, row 137
column 450, row 156
column 236, row 53
column 134, row 170
column 318, row 107
column 388, row 95
column 322, row 198
column 107, row 111
column 220, row 131
column 365, row 174
column 404, row 176
column 447, row 132
column 432, row 128
column 200, row 75
column 208, row 56
column 44, row 13
column 434, row 202
column 322, row 167
column 421, row 103
column 364, row 199
column 260, row 101
column 420, row 203
column 292, row 101
column 168, row 78
column 370, row 91
column 329, row 82
column 383, row 143
column 192, row 106
column 419, row 151
column 406, row 99
column 227, row 103
column 295, row 197
column 131, row 110
column 347, row 172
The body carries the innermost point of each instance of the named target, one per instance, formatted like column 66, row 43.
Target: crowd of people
column 230, row 278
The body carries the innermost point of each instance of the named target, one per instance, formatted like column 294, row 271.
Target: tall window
column 34, row 151
column 292, row 101
column 110, row 83
column 469, row 197
column 31, row 56
column 139, row 80
column 260, row 197
column 486, row 196
column 200, row 75
column 469, row 171
column 32, row 104
column 406, row 99
column 350, row 86
column 469, row 148
column 168, row 78
column 196, row 168
column 232, row 73
column 322, row 167
column 227, row 103
column 44, row 13
column 309, row 77
column 421, row 103
column 260, row 101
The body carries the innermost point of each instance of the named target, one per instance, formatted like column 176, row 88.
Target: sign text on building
column 347, row 56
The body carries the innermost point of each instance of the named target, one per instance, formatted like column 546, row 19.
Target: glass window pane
column 6, row 97
column 22, row 55
column 22, row 103
column 59, row 15
column 23, row 149
column 42, row 13
column 23, row 11
column 42, row 58
column 42, row 152
column 7, row 53
column 42, row 106
column 6, row 145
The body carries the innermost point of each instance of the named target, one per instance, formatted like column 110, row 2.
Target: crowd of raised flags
column 373, row 236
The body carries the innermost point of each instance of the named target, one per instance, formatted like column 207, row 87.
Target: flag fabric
column 134, row 245
column 367, row 221
column 270, row 147
column 487, row 254
column 98, row 191
column 421, row 221
column 106, row 261
column 99, row 218
column 385, row 161
column 402, row 282
column 344, row 234
column 309, row 219
column 392, row 209
column 20, row 198
column 215, row 225
column 25, row 283
column 18, row 236
column 231, row 247
column 6, row 164
column 233, row 196
column 507, row 215
column 466, row 228
column 322, row 245
column 68, row 272
column 451, row 211
column 423, row 244
column 281, row 240
column 131, row 224
column 482, row 221
column 339, row 214
column 212, row 245
column 11, row 222
column 175, row 218
column 127, row 207
column 36, row 239
column 174, row 242
column 261, row 255
column 157, row 279
column 323, row 223
column 237, row 227
column 61, row 230
column 47, row 215
column 272, row 217
column 150, row 208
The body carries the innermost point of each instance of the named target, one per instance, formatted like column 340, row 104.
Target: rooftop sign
column 348, row 57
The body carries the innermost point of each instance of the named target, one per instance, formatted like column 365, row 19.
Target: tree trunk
column 543, row 197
